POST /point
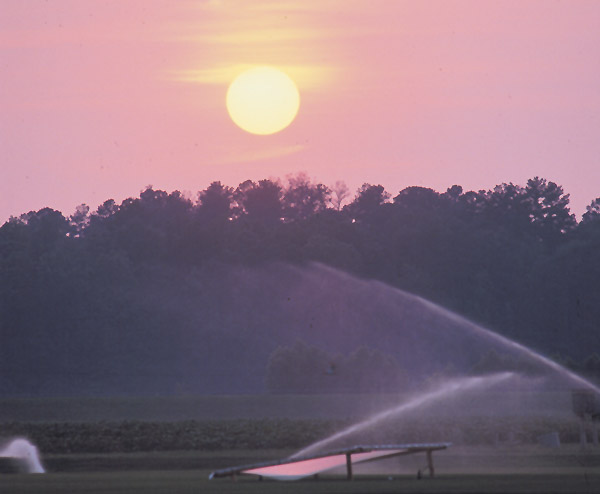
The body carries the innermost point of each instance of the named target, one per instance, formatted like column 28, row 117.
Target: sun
column 263, row 100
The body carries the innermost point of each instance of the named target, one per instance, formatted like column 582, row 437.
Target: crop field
column 205, row 407
column 468, row 470
column 170, row 445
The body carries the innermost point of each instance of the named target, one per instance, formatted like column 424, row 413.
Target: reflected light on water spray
column 511, row 344
column 448, row 388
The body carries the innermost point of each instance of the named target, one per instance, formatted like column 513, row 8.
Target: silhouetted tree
column 260, row 202
column 592, row 212
column 106, row 209
column 79, row 220
column 369, row 198
column 507, row 206
column 340, row 192
column 454, row 193
column 417, row 198
column 297, row 369
column 134, row 297
column 303, row 199
column 548, row 208
column 215, row 203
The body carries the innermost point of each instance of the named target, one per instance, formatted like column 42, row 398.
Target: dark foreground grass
column 184, row 482
column 490, row 470
column 457, row 460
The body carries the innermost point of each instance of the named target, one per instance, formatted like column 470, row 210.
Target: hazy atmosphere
column 322, row 240
column 102, row 98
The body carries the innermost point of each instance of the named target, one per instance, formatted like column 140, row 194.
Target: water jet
column 23, row 454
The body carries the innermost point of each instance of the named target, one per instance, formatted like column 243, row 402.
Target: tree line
column 79, row 294
column 302, row 368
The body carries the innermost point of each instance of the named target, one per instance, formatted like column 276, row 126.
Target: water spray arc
column 447, row 389
column 511, row 344
column 425, row 324
column 525, row 400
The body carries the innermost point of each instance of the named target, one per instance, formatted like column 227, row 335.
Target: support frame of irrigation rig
column 307, row 466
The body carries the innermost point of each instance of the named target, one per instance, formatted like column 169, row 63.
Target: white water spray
column 24, row 451
column 448, row 388
column 510, row 343
column 392, row 296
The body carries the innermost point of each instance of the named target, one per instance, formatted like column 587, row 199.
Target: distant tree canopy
column 79, row 294
column 303, row 368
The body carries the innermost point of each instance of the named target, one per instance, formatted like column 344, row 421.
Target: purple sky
column 102, row 98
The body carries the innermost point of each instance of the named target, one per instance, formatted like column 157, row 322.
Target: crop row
column 133, row 436
column 138, row 436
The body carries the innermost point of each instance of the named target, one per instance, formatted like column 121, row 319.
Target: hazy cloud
column 262, row 154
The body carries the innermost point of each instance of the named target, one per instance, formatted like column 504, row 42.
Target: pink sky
column 102, row 98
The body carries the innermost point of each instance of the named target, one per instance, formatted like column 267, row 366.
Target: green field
column 293, row 406
column 193, row 407
column 166, row 482
column 461, row 469
column 520, row 469
column 101, row 445
column 468, row 470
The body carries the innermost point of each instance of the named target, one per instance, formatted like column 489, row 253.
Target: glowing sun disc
column 263, row 100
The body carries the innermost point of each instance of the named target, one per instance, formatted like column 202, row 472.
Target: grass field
column 206, row 407
column 192, row 407
column 505, row 469
column 465, row 467
column 169, row 482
